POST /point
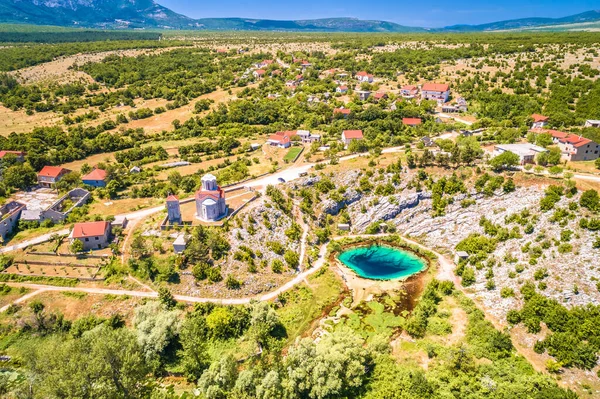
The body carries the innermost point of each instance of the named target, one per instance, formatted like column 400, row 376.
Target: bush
column 232, row 283
column 468, row 277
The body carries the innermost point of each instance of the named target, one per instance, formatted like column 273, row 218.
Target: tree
column 590, row 200
column 166, row 298
column 193, row 338
column 156, row 328
column 138, row 247
column 76, row 246
column 19, row 176
column 291, row 258
column 103, row 363
column 505, row 160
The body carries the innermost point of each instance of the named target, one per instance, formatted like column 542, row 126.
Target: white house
column 439, row 92
column 342, row 89
column 307, row 137
column 592, row 123
column 349, row 135
column 539, row 121
column 362, row 77
column 526, row 152
column 281, row 139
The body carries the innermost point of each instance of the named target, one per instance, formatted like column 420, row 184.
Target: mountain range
column 147, row 14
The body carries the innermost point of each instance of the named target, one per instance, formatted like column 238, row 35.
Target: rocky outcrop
column 331, row 207
column 387, row 208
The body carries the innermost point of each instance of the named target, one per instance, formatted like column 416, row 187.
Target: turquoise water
column 382, row 263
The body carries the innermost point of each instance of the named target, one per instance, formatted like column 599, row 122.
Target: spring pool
column 379, row 262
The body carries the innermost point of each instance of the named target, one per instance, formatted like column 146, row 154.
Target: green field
column 293, row 154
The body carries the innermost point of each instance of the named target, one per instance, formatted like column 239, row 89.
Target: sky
column 424, row 13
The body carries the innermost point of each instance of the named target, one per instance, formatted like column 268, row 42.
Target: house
column 210, row 200
column 588, row 123
column 526, row 152
column 439, row 92
column 459, row 106
column 307, row 137
column 20, row 155
column 96, row 178
column 539, row 121
column 342, row 89
column 578, row 148
column 50, row 175
column 173, row 210
column 120, row 221
column 263, row 64
column 350, row 135
column 259, row 73
column 461, row 255
column 180, row 244
column 299, row 79
column 362, row 94
column 409, row 91
column 363, row 77
column 342, row 111
column 573, row 147
column 305, row 64
column 411, row 121
column 281, row 139
column 93, row 235
column 427, row 141
column 9, row 218
column 380, row 96
column 135, row 169
column 276, row 72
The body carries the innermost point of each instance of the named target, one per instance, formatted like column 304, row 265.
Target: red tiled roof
column 17, row 153
column 353, row 134
column 260, row 72
column 172, row 198
column 411, row 121
column 409, row 87
column 379, row 95
column 343, row 87
column 554, row 133
column 279, row 138
column 298, row 77
column 89, row 229
column 216, row 194
column 96, row 174
column 539, row 118
column 345, row 111
column 52, row 171
column 575, row 140
column 267, row 62
column 441, row 87
column 363, row 73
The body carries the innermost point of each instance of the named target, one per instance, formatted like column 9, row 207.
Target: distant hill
column 147, row 14
column 526, row 23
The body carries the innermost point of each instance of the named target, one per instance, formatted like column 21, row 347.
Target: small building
column 461, row 255
column 173, row 210
column 427, row 141
column 364, row 77
column 343, row 226
column 135, row 169
column 307, row 137
column 254, row 146
column 411, row 121
column 50, row 175
column 350, row 135
column 526, row 152
column 120, row 221
column 578, row 148
column 259, row 73
column 592, row 123
column 362, row 94
column 539, row 121
column 20, row 155
column 180, row 244
column 96, row 178
column 342, row 89
column 93, row 235
column 210, row 200
column 281, row 139
column 263, row 64
column 409, row 91
column 439, row 92
column 342, row 111
column 380, row 96
column 9, row 218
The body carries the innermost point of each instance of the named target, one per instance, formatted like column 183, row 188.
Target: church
column 210, row 200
